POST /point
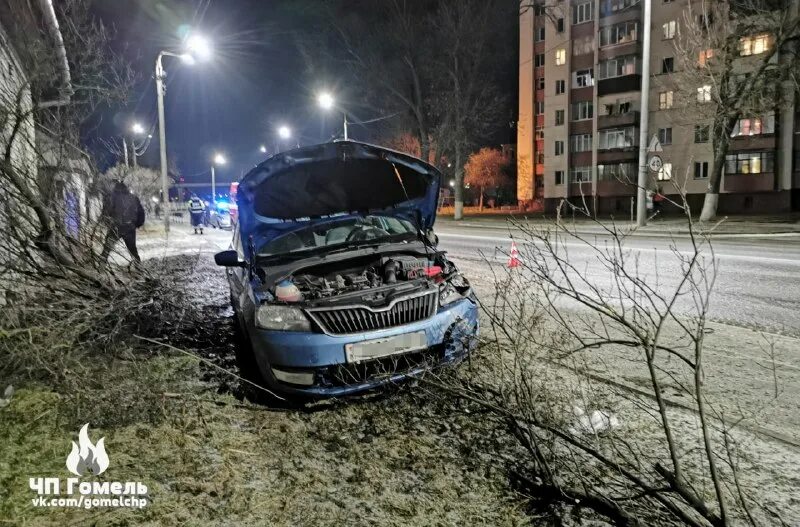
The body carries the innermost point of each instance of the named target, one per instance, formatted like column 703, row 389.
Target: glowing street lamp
column 219, row 159
column 326, row 102
column 263, row 149
column 137, row 128
column 284, row 132
column 196, row 47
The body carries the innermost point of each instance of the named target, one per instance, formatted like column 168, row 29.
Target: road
column 757, row 282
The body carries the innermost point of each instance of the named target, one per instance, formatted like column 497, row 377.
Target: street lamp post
column 326, row 102
column 196, row 46
column 219, row 159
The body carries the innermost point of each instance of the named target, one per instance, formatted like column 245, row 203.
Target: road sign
column 655, row 145
column 655, row 163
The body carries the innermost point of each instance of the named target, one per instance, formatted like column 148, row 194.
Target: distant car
column 334, row 274
column 220, row 215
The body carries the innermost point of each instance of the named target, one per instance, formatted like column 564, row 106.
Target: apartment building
column 579, row 115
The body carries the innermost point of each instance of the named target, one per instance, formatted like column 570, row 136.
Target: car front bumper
column 451, row 333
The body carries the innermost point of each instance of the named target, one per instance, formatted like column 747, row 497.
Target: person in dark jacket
column 125, row 214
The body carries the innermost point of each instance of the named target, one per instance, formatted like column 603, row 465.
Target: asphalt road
column 757, row 280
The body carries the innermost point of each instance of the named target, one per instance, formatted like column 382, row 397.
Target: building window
column 559, row 177
column 561, row 57
column 618, row 34
column 559, row 147
column 618, row 108
column 749, row 163
column 665, row 136
column 626, row 172
column 753, row 45
column 560, row 25
column 560, row 86
column 539, row 107
column 540, row 158
column 540, row 83
column 582, row 12
column 612, row 6
column 665, row 100
column 667, row 65
column 580, row 174
column 704, row 56
column 538, row 60
column 538, row 9
column 559, row 117
column 701, row 133
column 754, row 126
column 583, row 78
column 616, row 138
column 704, row 93
column 701, row 169
column 670, row 29
column 539, row 132
column 539, row 34
column 582, row 110
column 665, row 172
column 580, row 143
column 617, row 67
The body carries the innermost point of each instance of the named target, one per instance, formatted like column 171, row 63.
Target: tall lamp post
column 196, row 47
column 326, row 102
column 219, row 159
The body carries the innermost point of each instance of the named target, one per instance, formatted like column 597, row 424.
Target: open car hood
column 314, row 183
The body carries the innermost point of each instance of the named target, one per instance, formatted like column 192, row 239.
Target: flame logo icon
column 86, row 456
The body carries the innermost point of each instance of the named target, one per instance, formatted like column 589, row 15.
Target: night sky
column 256, row 80
column 233, row 103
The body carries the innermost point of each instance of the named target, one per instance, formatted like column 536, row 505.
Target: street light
column 219, row 159
column 326, row 102
column 137, row 128
column 284, row 132
column 196, row 47
column 263, row 149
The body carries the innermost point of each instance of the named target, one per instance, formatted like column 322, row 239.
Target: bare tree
column 469, row 100
column 736, row 60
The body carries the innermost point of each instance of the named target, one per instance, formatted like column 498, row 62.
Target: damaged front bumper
column 316, row 365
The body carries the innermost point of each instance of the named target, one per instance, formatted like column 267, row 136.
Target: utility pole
column 345, row 127
column 213, row 184
column 162, row 140
column 641, row 190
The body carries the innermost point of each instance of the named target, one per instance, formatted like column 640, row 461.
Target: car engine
column 325, row 282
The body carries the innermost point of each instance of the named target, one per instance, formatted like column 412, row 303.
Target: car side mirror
column 229, row 258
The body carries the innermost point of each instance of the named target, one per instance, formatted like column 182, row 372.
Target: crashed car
column 335, row 278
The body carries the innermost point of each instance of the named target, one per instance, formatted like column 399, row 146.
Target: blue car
column 335, row 276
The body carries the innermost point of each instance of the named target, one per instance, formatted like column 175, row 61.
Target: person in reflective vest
column 197, row 210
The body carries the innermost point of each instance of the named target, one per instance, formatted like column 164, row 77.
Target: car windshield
column 344, row 232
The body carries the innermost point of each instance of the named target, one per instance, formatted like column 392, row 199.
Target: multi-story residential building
column 579, row 114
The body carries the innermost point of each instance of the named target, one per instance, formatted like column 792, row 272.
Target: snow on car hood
column 313, row 183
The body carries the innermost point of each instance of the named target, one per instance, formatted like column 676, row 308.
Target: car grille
column 357, row 319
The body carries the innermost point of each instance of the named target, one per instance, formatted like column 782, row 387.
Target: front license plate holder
column 385, row 347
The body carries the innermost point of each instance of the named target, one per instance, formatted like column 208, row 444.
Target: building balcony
column 763, row 182
column 619, row 84
column 618, row 120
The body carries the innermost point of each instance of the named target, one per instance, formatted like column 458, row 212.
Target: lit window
column 754, row 45
column 704, row 93
column 664, row 100
column 749, row 163
column 561, row 57
column 665, row 172
column 704, row 56
column 754, row 126
column 670, row 29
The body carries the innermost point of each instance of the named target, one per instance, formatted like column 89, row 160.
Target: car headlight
column 448, row 294
column 281, row 318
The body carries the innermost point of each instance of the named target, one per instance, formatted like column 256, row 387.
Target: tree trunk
column 723, row 126
column 459, row 188
column 480, row 203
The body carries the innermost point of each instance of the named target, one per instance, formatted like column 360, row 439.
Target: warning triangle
column 655, row 145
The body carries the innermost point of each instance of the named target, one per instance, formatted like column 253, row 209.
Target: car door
column 237, row 276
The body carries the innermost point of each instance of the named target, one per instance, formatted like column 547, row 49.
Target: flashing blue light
column 223, row 205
